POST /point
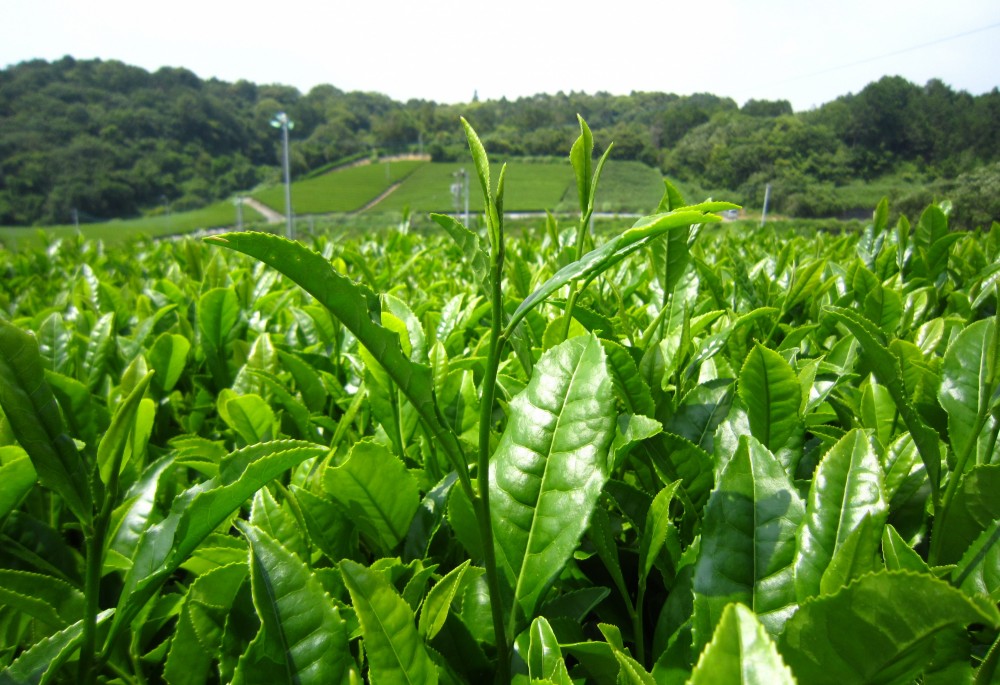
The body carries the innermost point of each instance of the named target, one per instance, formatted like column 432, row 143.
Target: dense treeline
column 108, row 139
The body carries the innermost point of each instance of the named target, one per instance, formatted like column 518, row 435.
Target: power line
column 889, row 54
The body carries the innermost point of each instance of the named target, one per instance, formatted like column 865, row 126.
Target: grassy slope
column 529, row 187
column 346, row 190
column 219, row 214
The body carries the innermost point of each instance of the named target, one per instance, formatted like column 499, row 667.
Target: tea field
column 679, row 451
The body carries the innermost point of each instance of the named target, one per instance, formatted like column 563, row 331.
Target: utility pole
column 767, row 198
column 282, row 121
column 459, row 189
column 239, row 212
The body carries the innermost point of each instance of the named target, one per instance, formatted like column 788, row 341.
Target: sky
column 448, row 50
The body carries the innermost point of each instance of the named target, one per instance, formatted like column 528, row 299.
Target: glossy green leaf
column 878, row 412
column 978, row 571
column 877, row 629
column 50, row 600
column 395, row 651
column 100, row 348
column 482, row 163
column 847, row 488
column 899, row 556
column 34, row 417
column 676, row 457
column 632, row 429
column 700, row 413
column 887, row 371
column 630, row 671
column 307, row 381
column 249, row 415
column 303, row 631
column 376, row 492
column 40, row 664
column 771, row 392
column 54, row 342
column 654, row 534
column 628, row 384
column 197, row 639
column 358, row 309
column 854, row 557
column 602, row 538
column 280, row 396
column 168, row 357
column 581, row 157
column 329, row 528
column 435, row 608
column 85, row 418
column 276, row 521
column 610, row 253
column 111, row 452
column 17, row 476
column 968, row 380
column 748, row 542
column 468, row 243
column 218, row 313
column 550, row 466
column 740, row 652
column 545, row 660
column 197, row 512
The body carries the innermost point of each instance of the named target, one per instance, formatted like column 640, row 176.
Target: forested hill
column 109, row 140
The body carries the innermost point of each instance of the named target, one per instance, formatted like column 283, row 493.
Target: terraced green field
column 346, row 190
column 532, row 187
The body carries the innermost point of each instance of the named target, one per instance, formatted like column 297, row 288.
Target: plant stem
column 496, row 346
column 581, row 236
column 957, row 476
column 637, row 628
column 92, row 586
column 88, row 665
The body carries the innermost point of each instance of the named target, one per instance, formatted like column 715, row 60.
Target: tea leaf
column 197, row 512
column 846, row 489
column 772, row 394
column 967, row 384
column 303, row 631
column 435, row 609
column 610, row 253
column 376, row 492
column 201, row 623
column 41, row 662
column 550, row 466
column 34, row 417
column 887, row 370
column 748, row 542
column 545, row 661
column 17, row 475
column 740, row 652
column 877, row 629
column 395, row 651
column 111, row 453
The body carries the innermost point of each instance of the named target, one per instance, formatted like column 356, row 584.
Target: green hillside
column 529, row 187
column 344, row 190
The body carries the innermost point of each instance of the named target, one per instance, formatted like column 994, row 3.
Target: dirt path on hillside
column 385, row 193
column 269, row 214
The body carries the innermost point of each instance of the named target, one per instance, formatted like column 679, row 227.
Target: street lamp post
column 282, row 121
column 460, row 188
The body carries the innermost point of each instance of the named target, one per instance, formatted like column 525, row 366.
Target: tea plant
column 672, row 454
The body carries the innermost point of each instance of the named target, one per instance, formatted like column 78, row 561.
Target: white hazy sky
column 445, row 50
